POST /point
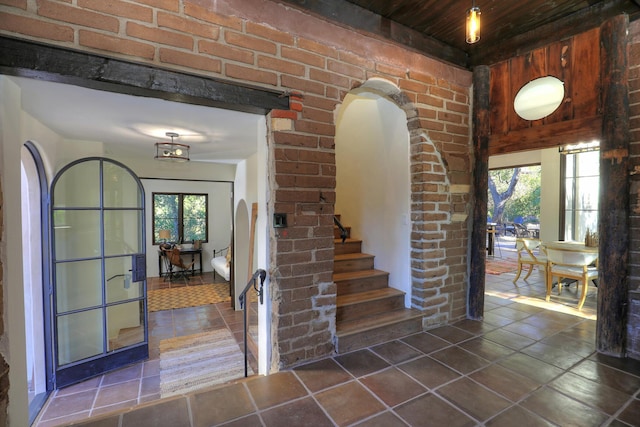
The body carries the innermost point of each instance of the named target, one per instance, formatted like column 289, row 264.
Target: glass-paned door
column 99, row 282
column 581, row 193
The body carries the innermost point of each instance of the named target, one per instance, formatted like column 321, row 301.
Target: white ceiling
column 133, row 124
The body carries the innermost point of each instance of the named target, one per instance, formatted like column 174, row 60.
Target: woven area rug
column 198, row 361
column 499, row 266
column 187, row 296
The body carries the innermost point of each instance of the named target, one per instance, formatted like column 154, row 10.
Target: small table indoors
column 572, row 246
column 169, row 271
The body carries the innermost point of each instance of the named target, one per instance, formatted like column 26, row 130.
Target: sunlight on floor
column 533, row 291
column 537, row 302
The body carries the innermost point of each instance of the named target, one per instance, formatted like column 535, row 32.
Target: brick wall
column 633, row 323
column 276, row 47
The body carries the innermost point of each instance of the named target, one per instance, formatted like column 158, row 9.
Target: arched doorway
column 416, row 185
column 372, row 180
column 35, row 270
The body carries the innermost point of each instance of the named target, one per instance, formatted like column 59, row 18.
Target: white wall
column 373, row 182
column 550, row 194
column 246, row 193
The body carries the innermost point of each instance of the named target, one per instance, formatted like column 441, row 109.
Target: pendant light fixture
column 172, row 151
column 473, row 24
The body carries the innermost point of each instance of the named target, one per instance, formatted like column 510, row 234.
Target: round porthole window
column 539, row 98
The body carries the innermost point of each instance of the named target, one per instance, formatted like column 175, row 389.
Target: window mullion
column 181, row 218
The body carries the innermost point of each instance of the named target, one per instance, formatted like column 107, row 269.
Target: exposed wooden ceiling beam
column 356, row 17
column 55, row 64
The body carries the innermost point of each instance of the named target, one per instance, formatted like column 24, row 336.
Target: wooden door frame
column 614, row 206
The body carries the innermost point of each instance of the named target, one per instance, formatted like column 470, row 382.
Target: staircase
column 368, row 311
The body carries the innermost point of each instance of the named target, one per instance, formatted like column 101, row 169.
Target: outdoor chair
column 520, row 230
column 525, row 248
column 571, row 264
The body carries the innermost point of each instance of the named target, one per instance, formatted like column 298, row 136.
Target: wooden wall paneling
column 547, row 136
column 586, row 74
column 518, row 78
column 499, row 94
column 536, row 67
column 559, row 64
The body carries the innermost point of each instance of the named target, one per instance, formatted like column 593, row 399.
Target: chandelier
column 172, row 151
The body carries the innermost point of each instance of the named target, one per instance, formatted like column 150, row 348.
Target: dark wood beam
column 547, row 136
column 577, row 23
column 478, row 248
column 613, row 292
column 28, row 59
column 356, row 17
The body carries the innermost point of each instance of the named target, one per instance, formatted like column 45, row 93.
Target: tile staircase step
column 360, row 281
column 348, row 247
column 376, row 329
column 352, row 262
column 363, row 304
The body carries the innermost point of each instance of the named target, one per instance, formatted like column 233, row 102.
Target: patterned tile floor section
column 189, row 296
column 528, row 363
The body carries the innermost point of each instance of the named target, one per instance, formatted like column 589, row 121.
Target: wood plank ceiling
column 436, row 27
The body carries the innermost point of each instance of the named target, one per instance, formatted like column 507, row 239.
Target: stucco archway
column 436, row 285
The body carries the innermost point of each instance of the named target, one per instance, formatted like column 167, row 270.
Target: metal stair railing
column 343, row 231
column 262, row 274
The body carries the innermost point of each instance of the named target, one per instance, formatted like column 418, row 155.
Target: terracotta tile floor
column 528, row 363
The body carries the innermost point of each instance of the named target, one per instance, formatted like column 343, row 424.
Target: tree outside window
column 184, row 215
column 514, row 195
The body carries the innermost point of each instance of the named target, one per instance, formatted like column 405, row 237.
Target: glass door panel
column 79, row 186
column 100, row 311
column 120, row 188
column 121, row 230
column 77, row 234
column 80, row 336
column 581, row 189
column 119, row 284
column 78, row 285
column 125, row 324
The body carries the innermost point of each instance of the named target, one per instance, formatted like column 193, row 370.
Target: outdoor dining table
column 570, row 245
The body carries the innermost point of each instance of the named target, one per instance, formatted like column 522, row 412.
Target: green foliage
column 167, row 215
column 194, row 218
column 525, row 200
